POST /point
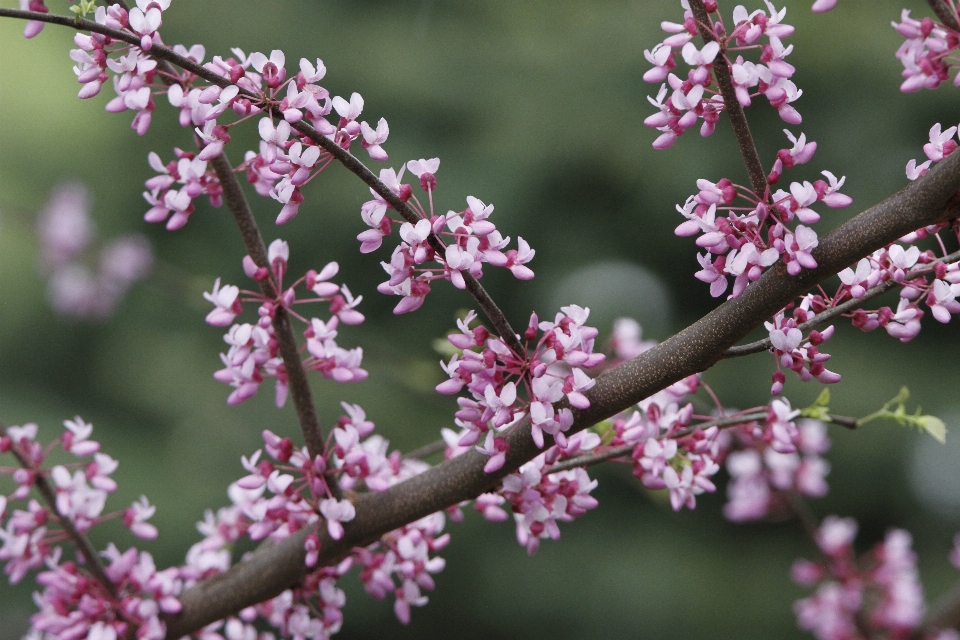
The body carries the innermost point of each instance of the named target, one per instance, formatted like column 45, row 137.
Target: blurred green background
column 536, row 107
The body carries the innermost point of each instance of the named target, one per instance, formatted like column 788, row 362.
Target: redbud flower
column 337, row 512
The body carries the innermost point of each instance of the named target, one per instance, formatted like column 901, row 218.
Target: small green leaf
column 605, row 430
column 823, row 400
column 903, row 396
column 820, row 408
column 817, row 413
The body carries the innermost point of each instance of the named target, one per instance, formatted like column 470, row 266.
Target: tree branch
column 489, row 307
column 741, row 129
column 946, row 12
column 928, row 200
column 829, row 314
column 297, row 382
column 591, row 459
column 80, row 541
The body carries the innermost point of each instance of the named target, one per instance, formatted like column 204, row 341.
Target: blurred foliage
column 536, row 107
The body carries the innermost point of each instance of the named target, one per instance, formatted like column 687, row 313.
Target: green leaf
column 605, row 430
column 903, row 396
column 823, row 400
column 820, row 408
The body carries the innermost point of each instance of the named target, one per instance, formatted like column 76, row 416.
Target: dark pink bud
column 428, row 182
column 480, row 334
column 273, row 76
column 284, row 450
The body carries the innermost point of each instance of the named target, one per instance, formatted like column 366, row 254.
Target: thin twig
column 297, row 381
column 590, row 459
column 79, row 540
column 354, row 165
column 829, row 314
column 741, row 129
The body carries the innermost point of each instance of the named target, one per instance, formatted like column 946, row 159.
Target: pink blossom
column 227, row 303
column 822, row 6
column 336, row 512
column 135, row 518
column 373, row 138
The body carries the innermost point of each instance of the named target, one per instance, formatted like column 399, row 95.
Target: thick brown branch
column 928, row 200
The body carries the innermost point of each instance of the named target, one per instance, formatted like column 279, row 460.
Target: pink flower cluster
column 254, row 351
column 289, row 492
column 474, row 240
column 941, row 145
column 695, row 98
column 400, row 563
column 73, row 601
column 795, row 352
column 765, row 461
column 539, row 499
column 174, row 206
column 909, row 268
column 896, row 263
column 926, row 52
column 74, row 606
column 497, row 379
column 134, row 71
column 743, row 240
column 877, row 595
column 666, row 452
column 286, row 160
column 66, row 235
